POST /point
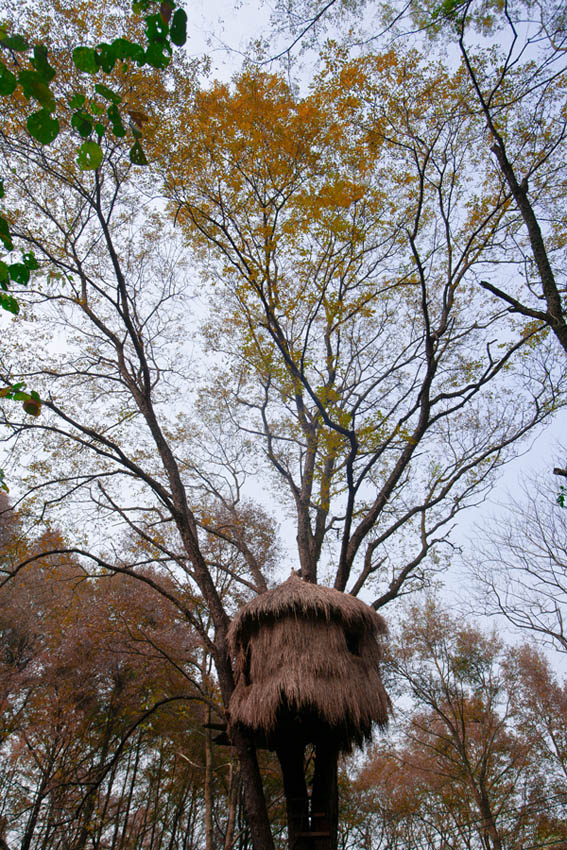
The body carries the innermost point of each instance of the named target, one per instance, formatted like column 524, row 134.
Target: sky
column 222, row 31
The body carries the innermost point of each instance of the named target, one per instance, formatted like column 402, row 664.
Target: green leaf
column 15, row 42
column 84, row 59
column 4, row 272
column 77, row 101
column 124, row 49
column 89, row 156
column 30, row 261
column 156, row 29
column 137, row 155
column 33, row 86
column 156, row 57
column 41, row 64
column 8, row 81
column 105, row 57
column 19, row 273
column 447, row 9
column 140, row 56
column 1, row 187
column 178, row 31
column 118, row 127
column 100, row 130
column 5, row 234
column 107, row 93
column 82, row 123
column 14, row 392
column 139, row 6
column 97, row 109
column 43, row 127
column 8, row 392
column 9, row 303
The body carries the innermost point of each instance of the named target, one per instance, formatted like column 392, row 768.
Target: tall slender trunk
column 325, row 797
column 233, row 794
column 36, row 808
column 107, row 800
column 254, row 799
column 208, row 789
column 291, row 756
column 131, row 791
column 489, row 828
column 155, row 787
column 93, row 800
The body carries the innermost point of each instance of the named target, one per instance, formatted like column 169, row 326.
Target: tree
column 521, row 563
column 519, row 92
column 363, row 365
column 344, row 248
column 100, row 714
column 472, row 763
column 162, row 30
column 88, row 196
column 539, row 700
column 517, row 85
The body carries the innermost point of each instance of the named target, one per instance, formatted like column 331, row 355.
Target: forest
column 295, row 320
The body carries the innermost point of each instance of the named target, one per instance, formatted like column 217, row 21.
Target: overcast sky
column 223, row 29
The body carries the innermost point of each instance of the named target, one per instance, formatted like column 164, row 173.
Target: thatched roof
column 307, row 660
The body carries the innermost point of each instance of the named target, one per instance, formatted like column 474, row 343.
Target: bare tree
column 520, row 561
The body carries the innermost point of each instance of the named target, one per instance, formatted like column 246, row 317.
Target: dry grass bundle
column 307, row 661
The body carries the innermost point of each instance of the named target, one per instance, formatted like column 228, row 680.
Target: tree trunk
column 490, row 831
column 233, row 794
column 291, row 756
column 208, row 785
column 34, row 814
column 325, row 797
column 254, row 799
column 312, row 827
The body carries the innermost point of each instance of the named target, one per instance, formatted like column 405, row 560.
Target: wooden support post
column 291, row 755
column 325, row 797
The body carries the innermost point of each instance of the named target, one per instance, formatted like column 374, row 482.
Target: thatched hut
column 307, row 665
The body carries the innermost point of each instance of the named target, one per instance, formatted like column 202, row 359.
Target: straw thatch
column 307, row 663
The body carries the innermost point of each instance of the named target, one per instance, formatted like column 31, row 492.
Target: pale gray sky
column 222, row 29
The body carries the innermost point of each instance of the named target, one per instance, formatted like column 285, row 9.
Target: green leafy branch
column 448, row 10
column 31, row 403
column 165, row 27
column 12, row 272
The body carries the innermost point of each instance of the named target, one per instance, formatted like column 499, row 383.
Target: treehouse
column 307, row 673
